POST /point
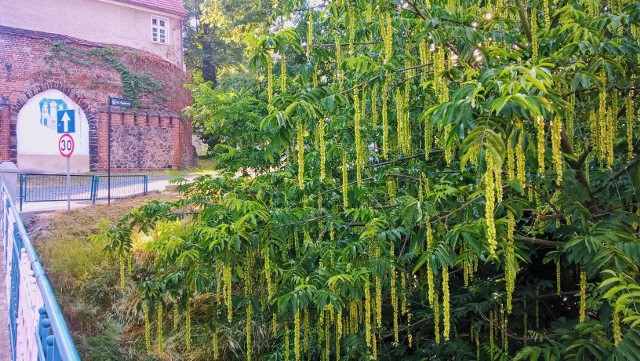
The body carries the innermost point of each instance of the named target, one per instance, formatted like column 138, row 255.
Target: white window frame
column 156, row 29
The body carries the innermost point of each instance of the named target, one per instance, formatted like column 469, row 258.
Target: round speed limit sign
column 66, row 145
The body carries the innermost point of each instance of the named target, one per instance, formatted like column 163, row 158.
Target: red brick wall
column 90, row 83
column 142, row 142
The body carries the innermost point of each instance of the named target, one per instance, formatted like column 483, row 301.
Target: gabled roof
column 169, row 6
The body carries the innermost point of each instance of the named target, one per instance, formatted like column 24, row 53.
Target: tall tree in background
column 218, row 32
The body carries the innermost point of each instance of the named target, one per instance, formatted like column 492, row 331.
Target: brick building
column 71, row 56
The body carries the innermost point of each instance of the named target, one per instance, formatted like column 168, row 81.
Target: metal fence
column 37, row 327
column 53, row 187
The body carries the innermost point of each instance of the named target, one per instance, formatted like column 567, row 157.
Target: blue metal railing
column 36, row 324
column 53, row 187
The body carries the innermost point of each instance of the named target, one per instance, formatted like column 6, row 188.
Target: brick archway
column 91, row 115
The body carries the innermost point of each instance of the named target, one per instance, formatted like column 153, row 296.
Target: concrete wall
column 96, row 21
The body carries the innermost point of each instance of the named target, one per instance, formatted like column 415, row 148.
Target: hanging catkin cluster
column 309, row 32
column 358, row 136
column 300, row 146
column 629, row 118
column 269, row 77
column 323, row 150
column 556, row 150
column 534, row 35
column 490, row 196
column 385, row 116
column 510, row 262
column 540, row 143
column 446, row 305
column 583, row 296
column 338, row 75
column 345, row 181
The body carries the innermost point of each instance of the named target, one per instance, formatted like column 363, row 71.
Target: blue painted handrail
column 54, row 340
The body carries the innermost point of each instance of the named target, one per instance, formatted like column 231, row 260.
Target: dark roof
column 169, row 6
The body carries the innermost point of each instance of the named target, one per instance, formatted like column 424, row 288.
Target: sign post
column 66, row 146
column 116, row 102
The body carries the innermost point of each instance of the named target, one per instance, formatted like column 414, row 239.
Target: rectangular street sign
column 119, row 102
column 66, row 121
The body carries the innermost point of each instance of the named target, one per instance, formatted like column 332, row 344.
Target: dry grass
column 84, row 278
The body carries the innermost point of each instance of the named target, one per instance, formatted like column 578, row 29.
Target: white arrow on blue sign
column 66, row 121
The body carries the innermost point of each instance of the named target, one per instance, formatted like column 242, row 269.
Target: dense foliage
column 446, row 180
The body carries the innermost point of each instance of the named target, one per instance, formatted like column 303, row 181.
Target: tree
column 449, row 179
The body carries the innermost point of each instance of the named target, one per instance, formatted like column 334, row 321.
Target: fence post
column 146, row 184
column 94, row 188
column 9, row 173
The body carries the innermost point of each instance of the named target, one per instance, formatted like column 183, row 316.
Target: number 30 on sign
column 66, row 145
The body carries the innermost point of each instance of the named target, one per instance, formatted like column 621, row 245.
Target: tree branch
column 523, row 19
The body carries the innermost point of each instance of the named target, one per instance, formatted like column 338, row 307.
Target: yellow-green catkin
column 269, row 77
column 534, row 35
column 367, row 313
column 228, row 292
column 176, row 315
column 540, row 144
column 297, row 349
column 160, row 329
column 187, row 316
column 345, row 181
column 309, row 32
column 617, row 332
column 358, row 136
column 327, row 338
column 122, row 279
column 300, row 143
column 249, row 311
column 505, row 341
column 338, row 74
column 351, row 27
column 629, row 117
column 216, row 345
column 267, row 272
column 374, row 106
column 338, row 333
column 556, row 149
column 446, row 305
column 547, row 14
column 520, row 156
column 306, row 324
column 510, row 266
column 492, row 331
column 490, row 197
column 323, row 150
column 403, row 294
column 385, row 116
column 558, row 277
column 394, row 304
column 286, row 342
column 386, row 29
column 436, row 318
column 147, row 326
column 283, row 74
column 583, row 296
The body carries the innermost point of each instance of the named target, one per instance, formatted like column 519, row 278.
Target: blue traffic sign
column 66, row 121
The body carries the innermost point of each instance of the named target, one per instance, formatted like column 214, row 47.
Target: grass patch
column 85, row 279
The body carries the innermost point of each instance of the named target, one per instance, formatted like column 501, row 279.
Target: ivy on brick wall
column 133, row 83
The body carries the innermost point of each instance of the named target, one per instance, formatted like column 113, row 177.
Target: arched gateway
column 41, row 122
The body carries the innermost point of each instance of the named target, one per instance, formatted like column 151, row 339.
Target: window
column 159, row 30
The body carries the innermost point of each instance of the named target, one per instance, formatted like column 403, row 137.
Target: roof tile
column 171, row 6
